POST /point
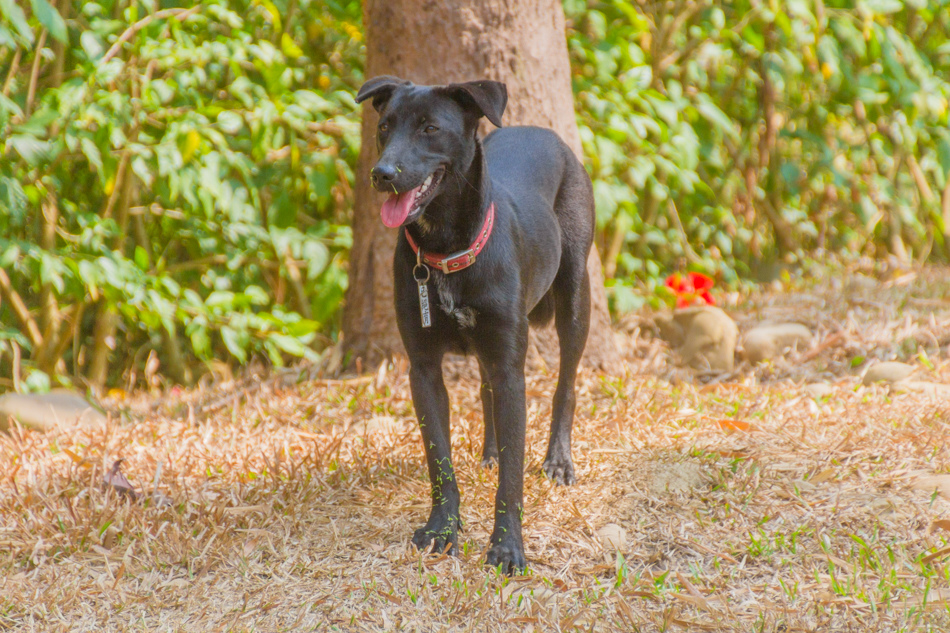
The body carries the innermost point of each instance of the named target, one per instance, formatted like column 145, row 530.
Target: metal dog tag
column 424, row 305
column 423, row 293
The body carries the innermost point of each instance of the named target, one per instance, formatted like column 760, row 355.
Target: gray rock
column 46, row 411
column 770, row 341
column 861, row 283
column 671, row 329
column 935, row 389
column 819, row 390
column 705, row 337
column 889, row 372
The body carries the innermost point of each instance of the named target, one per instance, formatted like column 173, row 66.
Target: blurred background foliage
column 727, row 136
column 176, row 178
column 175, row 183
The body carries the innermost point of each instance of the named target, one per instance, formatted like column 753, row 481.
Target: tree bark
column 519, row 42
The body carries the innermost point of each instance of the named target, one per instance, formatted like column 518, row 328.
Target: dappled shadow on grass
column 745, row 506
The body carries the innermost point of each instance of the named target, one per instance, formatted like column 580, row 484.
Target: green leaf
column 141, row 258
column 30, row 148
column 884, row 7
column 283, row 211
column 11, row 11
column 89, row 274
column 711, row 112
column 230, row 122
column 36, row 382
column 9, row 256
column 321, row 181
column 163, row 91
column 9, row 106
column 7, row 38
column 256, row 295
column 200, row 342
column 289, row 344
column 271, row 13
column 236, row 342
column 302, row 328
column 317, row 256
column 50, row 19
column 753, row 36
column 13, row 199
column 91, row 152
column 92, row 45
column 220, row 299
column 143, row 170
column 38, row 125
column 273, row 353
column 289, row 47
column 943, row 154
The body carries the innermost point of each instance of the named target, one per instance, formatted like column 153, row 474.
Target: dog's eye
column 430, row 129
column 383, row 127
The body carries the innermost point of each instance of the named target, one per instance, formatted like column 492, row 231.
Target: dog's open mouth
column 400, row 206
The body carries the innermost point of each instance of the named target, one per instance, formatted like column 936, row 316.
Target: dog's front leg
column 508, row 394
column 489, row 448
column 431, row 401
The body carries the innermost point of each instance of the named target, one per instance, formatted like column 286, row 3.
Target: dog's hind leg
column 571, row 289
column 490, row 447
column 572, row 319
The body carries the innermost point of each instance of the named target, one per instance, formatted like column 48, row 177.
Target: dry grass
column 747, row 505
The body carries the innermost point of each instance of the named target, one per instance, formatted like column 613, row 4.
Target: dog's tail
column 542, row 313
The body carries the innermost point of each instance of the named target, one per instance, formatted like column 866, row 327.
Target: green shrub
column 195, row 182
column 673, row 100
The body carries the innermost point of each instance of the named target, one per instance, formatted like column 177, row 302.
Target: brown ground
column 738, row 504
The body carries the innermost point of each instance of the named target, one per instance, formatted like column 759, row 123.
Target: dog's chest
column 450, row 303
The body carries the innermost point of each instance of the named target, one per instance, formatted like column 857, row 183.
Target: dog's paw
column 560, row 471
column 507, row 558
column 490, row 460
column 438, row 539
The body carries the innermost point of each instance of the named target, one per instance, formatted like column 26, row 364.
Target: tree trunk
column 519, row 42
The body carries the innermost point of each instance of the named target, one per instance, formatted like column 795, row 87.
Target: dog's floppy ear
column 380, row 89
column 488, row 97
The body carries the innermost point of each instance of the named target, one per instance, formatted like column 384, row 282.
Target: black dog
column 515, row 214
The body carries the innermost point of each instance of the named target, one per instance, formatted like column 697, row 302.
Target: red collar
column 463, row 259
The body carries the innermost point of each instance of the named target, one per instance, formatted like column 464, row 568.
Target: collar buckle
column 457, row 261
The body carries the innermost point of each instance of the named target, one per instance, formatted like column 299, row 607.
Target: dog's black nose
column 383, row 174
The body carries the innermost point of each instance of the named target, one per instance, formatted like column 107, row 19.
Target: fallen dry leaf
column 118, row 481
column 929, row 483
column 935, row 555
column 733, row 425
column 262, row 508
column 83, row 463
column 822, row 476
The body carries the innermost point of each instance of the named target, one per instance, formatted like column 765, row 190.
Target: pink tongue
column 396, row 208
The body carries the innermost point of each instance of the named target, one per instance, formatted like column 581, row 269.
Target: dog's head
column 423, row 133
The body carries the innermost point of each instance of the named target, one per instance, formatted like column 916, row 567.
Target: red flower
column 690, row 288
